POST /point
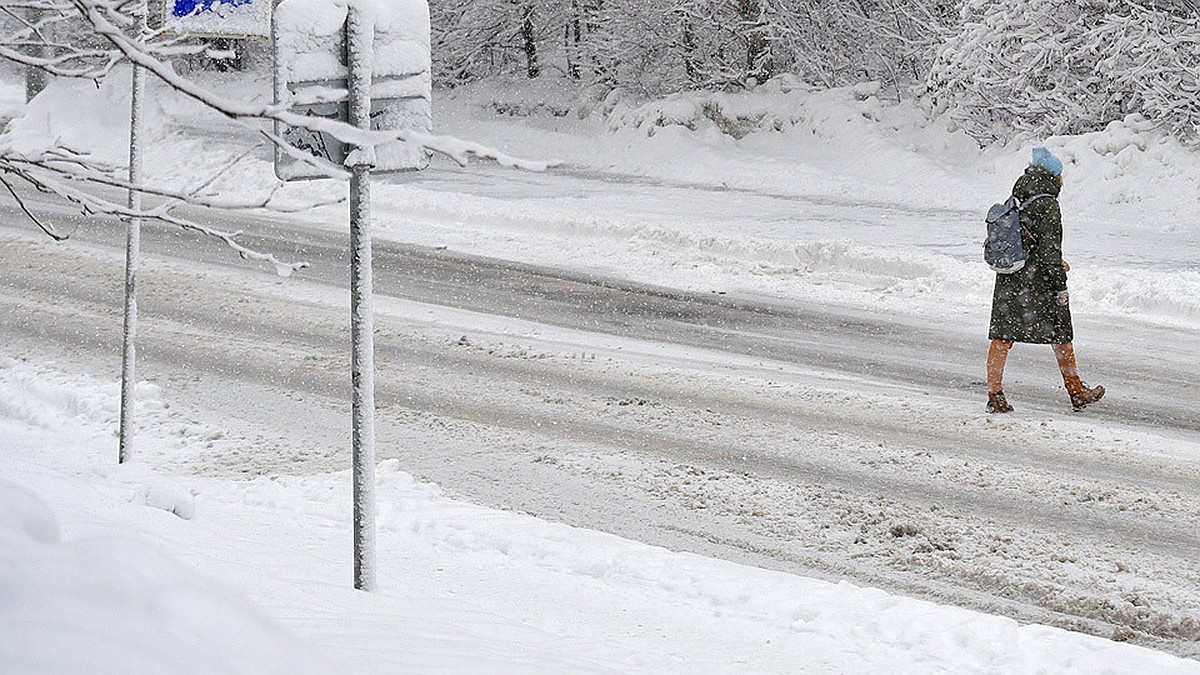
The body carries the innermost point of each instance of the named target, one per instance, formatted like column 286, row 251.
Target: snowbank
column 119, row 605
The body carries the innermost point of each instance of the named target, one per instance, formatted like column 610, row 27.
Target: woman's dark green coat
column 1025, row 305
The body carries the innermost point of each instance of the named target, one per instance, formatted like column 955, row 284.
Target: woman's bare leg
column 997, row 355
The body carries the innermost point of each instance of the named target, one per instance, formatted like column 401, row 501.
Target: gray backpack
column 1003, row 250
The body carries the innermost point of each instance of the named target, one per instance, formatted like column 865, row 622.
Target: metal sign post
column 220, row 17
column 133, row 237
column 370, row 78
column 362, row 319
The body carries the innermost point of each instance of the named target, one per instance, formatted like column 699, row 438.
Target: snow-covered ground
column 870, row 208
column 127, row 569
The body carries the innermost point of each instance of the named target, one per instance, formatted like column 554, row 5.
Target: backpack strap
column 1021, row 207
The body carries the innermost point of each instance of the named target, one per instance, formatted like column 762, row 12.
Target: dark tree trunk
column 759, row 63
column 574, row 40
column 688, row 38
column 533, row 68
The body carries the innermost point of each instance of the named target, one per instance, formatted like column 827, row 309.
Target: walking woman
column 1032, row 304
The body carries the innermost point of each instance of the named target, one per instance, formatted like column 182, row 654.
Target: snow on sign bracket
column 218, row 18
column 310, row 75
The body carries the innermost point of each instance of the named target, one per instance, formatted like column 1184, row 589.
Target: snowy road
column 824, row 440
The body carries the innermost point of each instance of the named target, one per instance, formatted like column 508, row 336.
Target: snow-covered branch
column 49, row 180
column 50, row 35
column 1018, row 67
column 460, row 151
column 97, row 14
column 85, row 39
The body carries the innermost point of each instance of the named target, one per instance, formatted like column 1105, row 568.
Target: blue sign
column 189, row 7
column 218, row 18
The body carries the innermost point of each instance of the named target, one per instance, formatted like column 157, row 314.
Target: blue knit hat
column 1044, row 158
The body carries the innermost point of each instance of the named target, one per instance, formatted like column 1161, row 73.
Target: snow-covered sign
column 310, row 75
column 218, row 18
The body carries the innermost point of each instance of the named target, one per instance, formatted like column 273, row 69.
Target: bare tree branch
column 93, row 205
column 37, row 221
column 64, row 37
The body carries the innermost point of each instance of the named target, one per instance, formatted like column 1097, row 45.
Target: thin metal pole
column 362, row 320
column 132, row 248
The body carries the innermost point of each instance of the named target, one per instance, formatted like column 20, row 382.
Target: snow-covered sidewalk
column 130, row 569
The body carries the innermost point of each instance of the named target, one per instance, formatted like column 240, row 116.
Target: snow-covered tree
column 664, row 46
column 850, row 41
column 478, row 38
column 1046, row 67
column 1151, row 61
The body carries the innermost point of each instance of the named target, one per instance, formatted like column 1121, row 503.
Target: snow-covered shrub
column 780, row 104
column 521, row 97
column 1048, row 67
column 1155, row 56
column 769, row 107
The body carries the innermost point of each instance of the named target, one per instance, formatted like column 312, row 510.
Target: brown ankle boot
column 1086, row 396
column 998, row 404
